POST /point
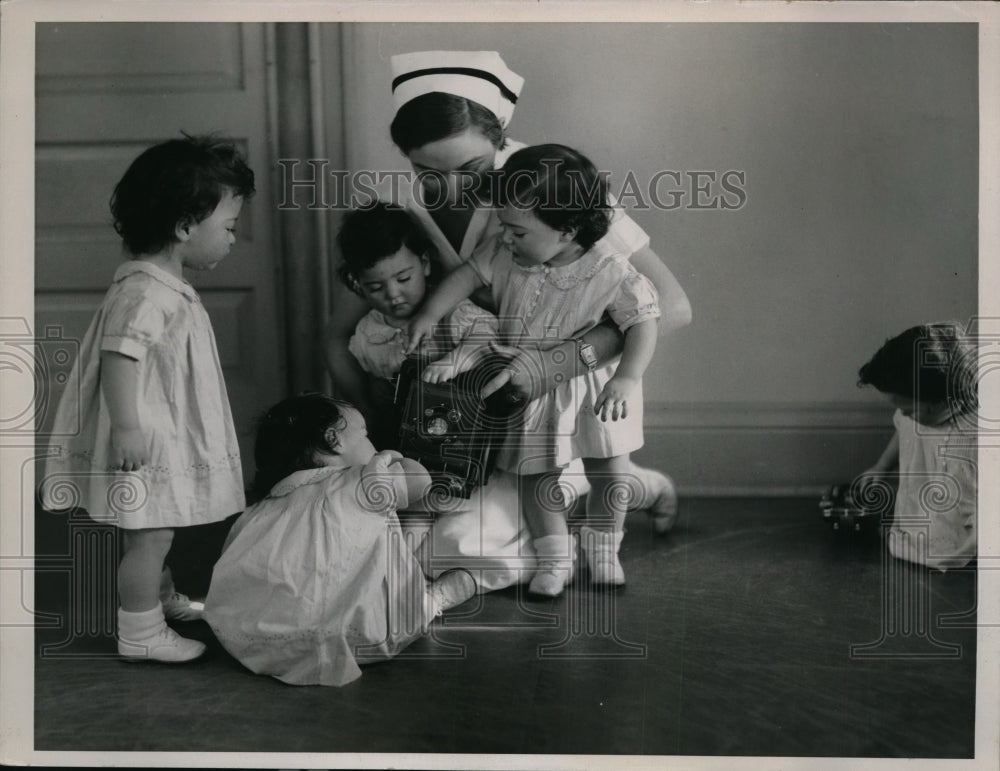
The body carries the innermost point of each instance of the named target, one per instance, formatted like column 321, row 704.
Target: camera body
column 448, row 428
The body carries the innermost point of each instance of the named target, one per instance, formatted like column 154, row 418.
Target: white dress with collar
column 314, row 581
column 194, row 474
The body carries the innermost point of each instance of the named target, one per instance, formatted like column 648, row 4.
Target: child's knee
column 619, row 465
column 158, row 540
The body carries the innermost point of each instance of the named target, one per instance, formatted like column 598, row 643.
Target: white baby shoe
column 165, row 646
column 664, row 507
column 450, row 590
column 555, row 564
column 601, row 548
column 180, row 607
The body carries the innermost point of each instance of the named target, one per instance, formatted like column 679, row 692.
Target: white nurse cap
column 480, row 76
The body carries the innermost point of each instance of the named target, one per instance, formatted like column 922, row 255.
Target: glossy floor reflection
column 751, row 629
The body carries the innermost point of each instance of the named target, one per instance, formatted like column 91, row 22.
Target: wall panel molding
column 762, row 449
column 118, row 59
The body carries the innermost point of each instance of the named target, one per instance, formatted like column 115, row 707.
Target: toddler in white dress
column 316, row 577
column 385, row 260
column 147, row 441
column 929, row 374
column 553, row 279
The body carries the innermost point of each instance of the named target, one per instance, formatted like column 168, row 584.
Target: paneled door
column 106, row 91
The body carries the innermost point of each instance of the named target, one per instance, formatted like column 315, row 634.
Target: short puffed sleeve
column 636, row 301
column 133, row 323
column 469, row 321
column 624, row 235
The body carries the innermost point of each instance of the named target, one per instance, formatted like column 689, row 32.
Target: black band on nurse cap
column 467, row 71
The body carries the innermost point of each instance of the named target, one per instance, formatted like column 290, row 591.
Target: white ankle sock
column 141, row 625
column 554, row 546
column 599, row 538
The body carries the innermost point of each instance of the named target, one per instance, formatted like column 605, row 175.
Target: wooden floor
column 752, row 629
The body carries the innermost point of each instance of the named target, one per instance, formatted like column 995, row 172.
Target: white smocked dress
column 540, row 303
column 193, row 475
column 317, row 579
column 934, row 522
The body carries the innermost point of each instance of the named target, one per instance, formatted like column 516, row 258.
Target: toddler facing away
column 929, row 374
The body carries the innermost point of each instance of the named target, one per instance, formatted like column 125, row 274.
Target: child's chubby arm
column 640, row 344
column 349, row 380
column 457, row 286
column 391, row 481
column 887, row 462
column 120, row 388
column 473, row 329
column 461, row 359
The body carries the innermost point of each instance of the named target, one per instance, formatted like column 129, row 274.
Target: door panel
column 104, row 93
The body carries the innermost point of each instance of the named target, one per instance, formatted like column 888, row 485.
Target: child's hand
column 418, row 329
column 440, row 370
column 382, row 460
column 448, row 367
column 614, row 397
column 129, row 451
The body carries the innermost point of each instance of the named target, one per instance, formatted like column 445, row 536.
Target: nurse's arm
column 674, row 305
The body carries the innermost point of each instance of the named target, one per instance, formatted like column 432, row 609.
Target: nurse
column 452, row 113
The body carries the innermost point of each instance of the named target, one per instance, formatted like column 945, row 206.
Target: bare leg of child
column 611, row 492
column 142, row 630
column 654, row 493
column 141, row 568
column 545, row 509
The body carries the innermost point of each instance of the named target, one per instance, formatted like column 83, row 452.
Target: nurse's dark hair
column 290, row 435
column 371, row 234
column 929, row 363
column 179, row 181
column 437, row 115
column 561, row 187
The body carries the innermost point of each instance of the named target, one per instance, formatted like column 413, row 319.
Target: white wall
column 859, row 145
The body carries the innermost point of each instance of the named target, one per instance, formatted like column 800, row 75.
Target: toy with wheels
column 841, row 508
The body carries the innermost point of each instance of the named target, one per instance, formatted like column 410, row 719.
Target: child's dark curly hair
column 928, row 363
column 180, row 181
column 289, row 436
column 369, row 235
column 563, row 189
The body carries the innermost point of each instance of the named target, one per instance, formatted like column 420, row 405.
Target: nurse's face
column 452, row 169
